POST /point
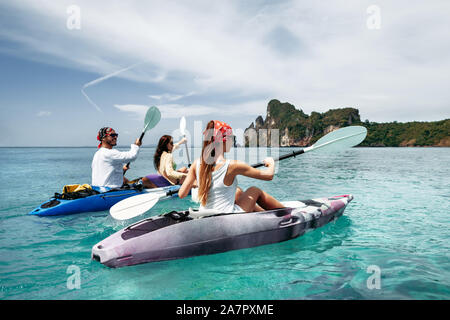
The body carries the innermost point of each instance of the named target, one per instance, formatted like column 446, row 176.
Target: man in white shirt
column 108, row 164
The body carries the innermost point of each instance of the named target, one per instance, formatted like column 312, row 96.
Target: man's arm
column 126, row 156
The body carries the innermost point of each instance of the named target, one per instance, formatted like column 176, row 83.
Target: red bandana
column 103, row 132
column 221, row 130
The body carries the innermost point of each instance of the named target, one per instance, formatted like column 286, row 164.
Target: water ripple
column 398, row 221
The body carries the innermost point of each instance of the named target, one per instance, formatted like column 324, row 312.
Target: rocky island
column 297, row 129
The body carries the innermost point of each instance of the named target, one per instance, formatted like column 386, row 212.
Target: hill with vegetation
column 295, row 128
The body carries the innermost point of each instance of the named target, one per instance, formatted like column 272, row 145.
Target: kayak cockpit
column 167, row 219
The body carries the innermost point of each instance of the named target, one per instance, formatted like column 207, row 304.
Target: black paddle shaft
column 288, row 155
column 140, row 140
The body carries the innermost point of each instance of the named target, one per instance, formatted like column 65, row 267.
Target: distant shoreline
column 149, row 147
column 296, row 128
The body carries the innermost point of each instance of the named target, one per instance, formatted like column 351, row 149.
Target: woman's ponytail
column 207, row 162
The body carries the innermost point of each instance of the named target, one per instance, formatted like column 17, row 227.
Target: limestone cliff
column 287, row 126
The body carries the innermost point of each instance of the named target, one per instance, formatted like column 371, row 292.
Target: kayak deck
column 97, row 202
column 183, row 234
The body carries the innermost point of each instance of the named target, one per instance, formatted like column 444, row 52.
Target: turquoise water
column 398, row 221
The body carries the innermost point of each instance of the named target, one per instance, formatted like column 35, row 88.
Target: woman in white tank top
column 217, row 177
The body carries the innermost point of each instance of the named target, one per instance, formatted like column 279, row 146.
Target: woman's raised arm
column 242, row 168
column 188, row 182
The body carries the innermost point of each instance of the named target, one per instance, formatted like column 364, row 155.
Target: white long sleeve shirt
column 107, row 166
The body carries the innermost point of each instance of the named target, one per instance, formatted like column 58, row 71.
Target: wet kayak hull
column 98, row 202
column 178, row 235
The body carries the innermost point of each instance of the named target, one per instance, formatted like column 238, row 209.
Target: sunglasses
column 114, row 135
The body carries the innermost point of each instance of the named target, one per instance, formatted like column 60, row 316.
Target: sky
column 68, row 68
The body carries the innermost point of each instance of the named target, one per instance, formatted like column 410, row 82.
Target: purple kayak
column 189, row 233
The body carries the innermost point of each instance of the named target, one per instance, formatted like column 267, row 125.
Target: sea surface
column 393, row 241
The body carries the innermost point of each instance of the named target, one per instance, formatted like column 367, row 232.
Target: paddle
column 152, row 118
column 334, row 141
column 183, row 132
column 194, row 191
column 124, row 210
column 337, row 140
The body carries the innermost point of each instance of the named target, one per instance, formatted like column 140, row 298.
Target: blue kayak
column 97, row 202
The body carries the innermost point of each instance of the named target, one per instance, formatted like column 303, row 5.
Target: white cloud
column 44, row 113
column 138, row 111
column 231, row 48
column 172, row 111
column 169, row 111
column 170, row 97
column 178, row 110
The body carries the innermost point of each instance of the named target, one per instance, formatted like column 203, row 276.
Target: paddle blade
column 340, row 139
column 134, row 206
column 152, row 118
column 183, row 126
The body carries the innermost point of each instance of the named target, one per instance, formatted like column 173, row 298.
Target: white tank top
column 220, row 197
